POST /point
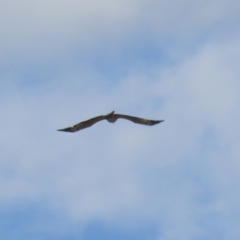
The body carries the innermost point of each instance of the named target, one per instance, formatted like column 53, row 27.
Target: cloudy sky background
column 66, row 61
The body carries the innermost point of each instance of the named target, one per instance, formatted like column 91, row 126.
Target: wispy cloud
column 179, row 179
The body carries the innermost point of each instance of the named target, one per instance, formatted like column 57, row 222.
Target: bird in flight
column 111, row 117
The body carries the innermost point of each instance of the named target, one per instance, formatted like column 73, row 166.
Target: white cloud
column 54, row 27
column 108, row 172
column 176, row 175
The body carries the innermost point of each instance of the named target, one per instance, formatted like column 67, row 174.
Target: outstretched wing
column 138, row 120
column 82, row 125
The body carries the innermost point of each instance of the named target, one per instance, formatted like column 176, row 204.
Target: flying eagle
column 111, row 117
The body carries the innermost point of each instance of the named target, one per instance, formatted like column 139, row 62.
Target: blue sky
column 62, row 62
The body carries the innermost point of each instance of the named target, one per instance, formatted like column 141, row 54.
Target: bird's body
column 111, row 117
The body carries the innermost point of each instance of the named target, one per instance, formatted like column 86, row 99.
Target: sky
column 62, row 62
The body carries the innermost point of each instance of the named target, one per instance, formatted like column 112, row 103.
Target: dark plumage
column 111, row 117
